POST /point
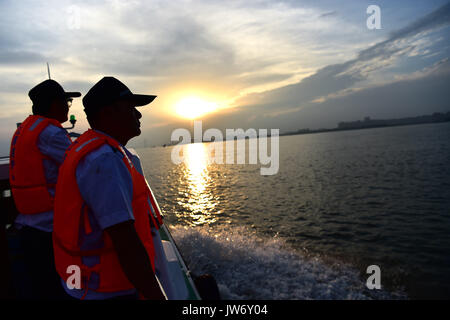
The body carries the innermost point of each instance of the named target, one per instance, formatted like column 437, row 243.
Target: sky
column 283, row 65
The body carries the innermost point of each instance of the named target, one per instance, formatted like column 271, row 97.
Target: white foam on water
column 247, row 266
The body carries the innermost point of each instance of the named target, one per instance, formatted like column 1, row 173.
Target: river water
column 340, row 202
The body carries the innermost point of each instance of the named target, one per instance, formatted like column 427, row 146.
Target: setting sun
column 193, row 107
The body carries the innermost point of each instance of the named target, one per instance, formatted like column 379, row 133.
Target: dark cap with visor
column 49, row 90
column 108, row 91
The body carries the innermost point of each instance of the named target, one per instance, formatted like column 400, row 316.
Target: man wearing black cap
column 37, row 151
column 102, row 210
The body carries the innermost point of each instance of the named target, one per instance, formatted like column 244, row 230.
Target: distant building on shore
column 369, row 123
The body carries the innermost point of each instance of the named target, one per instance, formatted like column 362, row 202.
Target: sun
column 194, row 107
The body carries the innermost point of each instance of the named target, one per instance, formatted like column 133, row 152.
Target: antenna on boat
column 48, row 70
column 72, row 116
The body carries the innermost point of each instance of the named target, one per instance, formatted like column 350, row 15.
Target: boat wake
column 249, row 267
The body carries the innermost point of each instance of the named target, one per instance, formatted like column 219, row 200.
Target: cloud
column 338, row 77
column 435, row 19
column 231, row 43
column 20, row 57
column 424, row 93
column 328, row 14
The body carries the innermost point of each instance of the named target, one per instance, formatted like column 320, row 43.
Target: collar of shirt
column 128, row 153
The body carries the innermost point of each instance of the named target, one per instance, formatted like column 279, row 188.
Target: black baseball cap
column 48, row 90
column 109, row 90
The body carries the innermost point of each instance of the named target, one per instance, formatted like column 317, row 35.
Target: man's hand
column 134, row 260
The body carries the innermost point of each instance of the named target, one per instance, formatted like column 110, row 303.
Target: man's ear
column 105, row 115
column 53, row 106
column 50, row 110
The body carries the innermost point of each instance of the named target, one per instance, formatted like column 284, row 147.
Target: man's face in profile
column 59, row 109
column 128, row 117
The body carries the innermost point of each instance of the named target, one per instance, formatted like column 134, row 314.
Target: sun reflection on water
column 195, row 194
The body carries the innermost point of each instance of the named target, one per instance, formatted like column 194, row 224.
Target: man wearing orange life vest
column 37, row 151
column 102, row 221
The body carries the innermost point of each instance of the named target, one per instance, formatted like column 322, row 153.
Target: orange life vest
column 26, row 169
column 71, row 212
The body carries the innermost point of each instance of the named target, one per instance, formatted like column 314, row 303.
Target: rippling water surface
column 340, row 202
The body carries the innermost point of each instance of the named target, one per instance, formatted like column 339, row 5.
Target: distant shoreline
column 368, row 123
